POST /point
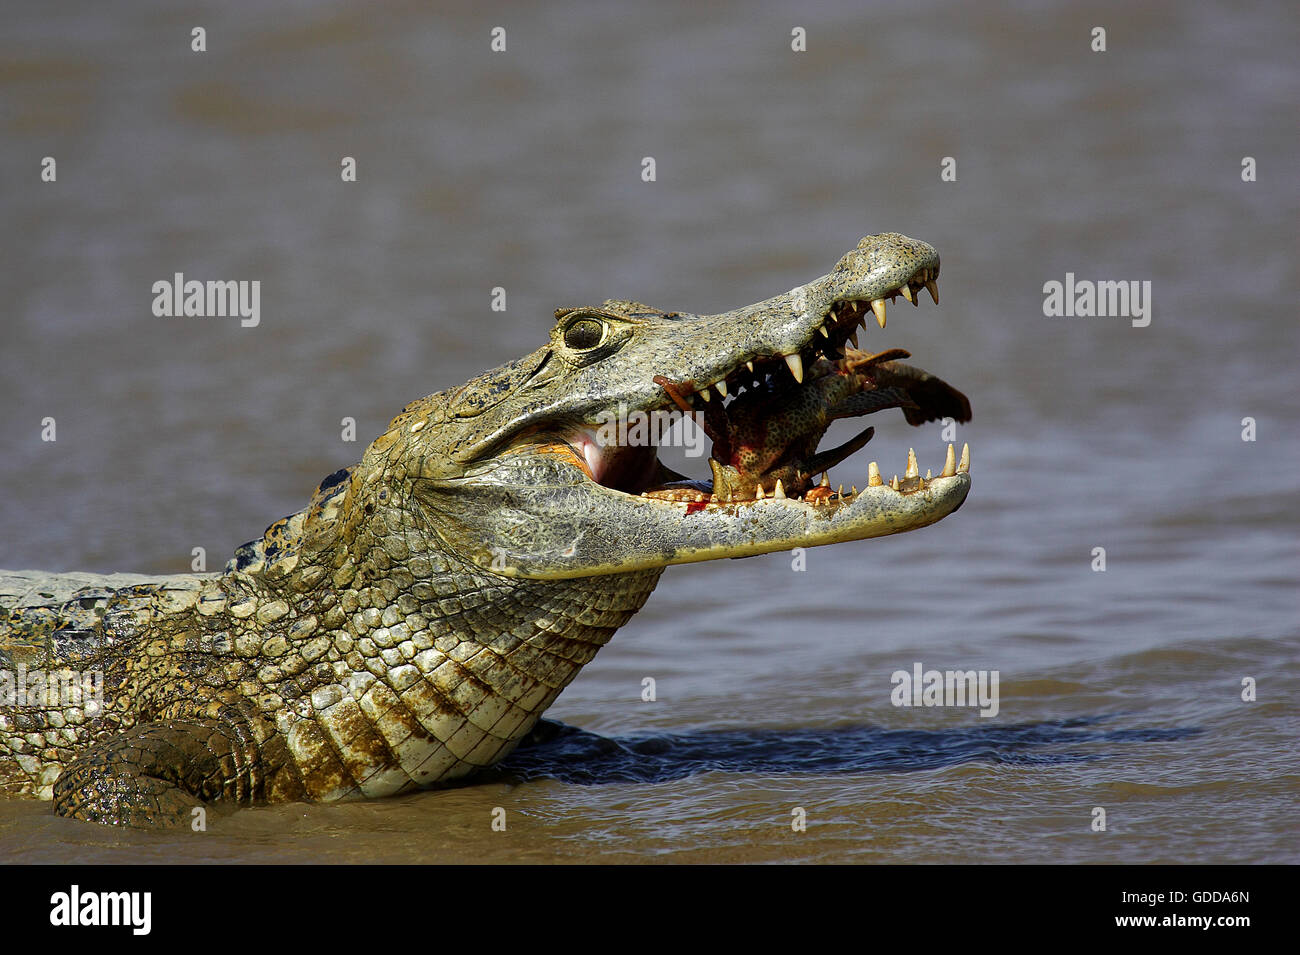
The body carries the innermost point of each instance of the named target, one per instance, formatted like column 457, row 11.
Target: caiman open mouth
column 767, row 414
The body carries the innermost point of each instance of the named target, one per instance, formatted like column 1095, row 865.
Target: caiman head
column 544, row 467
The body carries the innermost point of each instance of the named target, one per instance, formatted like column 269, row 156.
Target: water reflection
column 571, row 755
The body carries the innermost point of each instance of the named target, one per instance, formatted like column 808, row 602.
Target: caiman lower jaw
column 575, row 527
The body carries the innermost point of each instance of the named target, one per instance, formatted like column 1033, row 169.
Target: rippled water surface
column 1119, row 689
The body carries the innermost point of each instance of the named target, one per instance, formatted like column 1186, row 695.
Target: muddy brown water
column 523, row 170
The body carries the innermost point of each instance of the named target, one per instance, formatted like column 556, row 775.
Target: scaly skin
column 414, row 621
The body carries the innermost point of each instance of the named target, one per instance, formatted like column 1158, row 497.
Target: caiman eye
column 583, row 334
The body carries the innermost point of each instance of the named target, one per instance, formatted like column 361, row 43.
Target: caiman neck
column 359, row 552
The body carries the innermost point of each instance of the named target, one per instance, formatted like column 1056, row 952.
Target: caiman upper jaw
column 826, row 313
column 699, row 354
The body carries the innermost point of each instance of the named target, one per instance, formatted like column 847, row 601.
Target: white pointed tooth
column 704, row 394
column 840, row 492
column 873, row 476
column 749, row 365
column 722, row 387
column 758, row 492
column 932, row 287
column 854, row 491
column 878, row 306
column 964, row 464
column 894, row 483
column 920, row 484
column 912, row 469
column 796, row 367
column 822, row 329
column 907, row 293
column 853, row 337
column 949, row 464
column 928, row 475
column 826, row 479
column 778, row 491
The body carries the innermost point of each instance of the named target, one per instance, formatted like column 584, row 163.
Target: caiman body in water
column 413, row 622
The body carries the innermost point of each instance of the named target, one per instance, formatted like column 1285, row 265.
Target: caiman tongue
column 631, row 468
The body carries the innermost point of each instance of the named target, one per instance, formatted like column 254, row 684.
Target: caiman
column 411, row 624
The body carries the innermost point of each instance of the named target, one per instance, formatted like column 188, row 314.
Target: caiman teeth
column 949, row 464
column 855, row 310
column 878, row 306
column 722, row 387
column 796, row 367
column 704, row 394
column 749, row 365
column 814, row 496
